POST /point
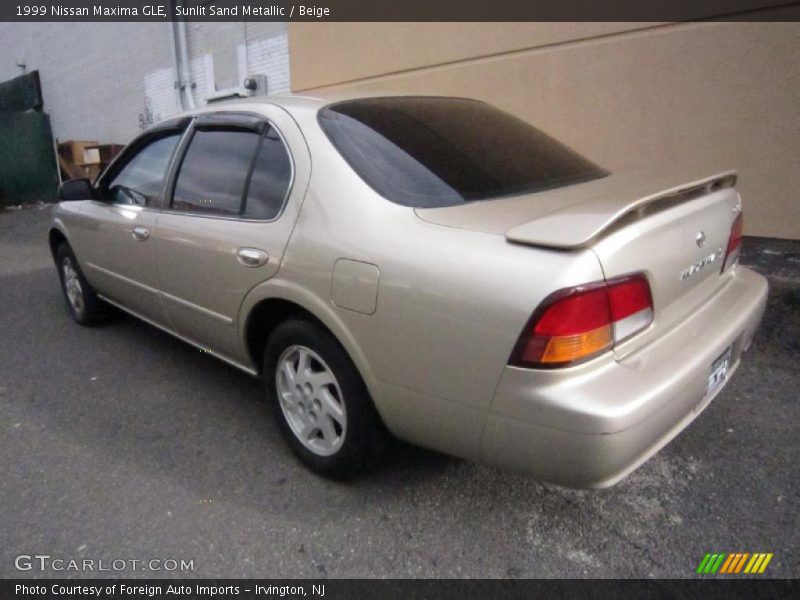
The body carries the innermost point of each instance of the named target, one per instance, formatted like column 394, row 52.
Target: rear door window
column 214, row 171
column 234, row 172
column 432, row 152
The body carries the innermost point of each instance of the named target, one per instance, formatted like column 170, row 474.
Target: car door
column 235, row 195
column 118, row 225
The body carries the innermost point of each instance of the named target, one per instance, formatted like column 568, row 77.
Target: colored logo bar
column 734, row 562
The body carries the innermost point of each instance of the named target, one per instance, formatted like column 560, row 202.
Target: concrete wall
column 685, row 97
column 105, row 81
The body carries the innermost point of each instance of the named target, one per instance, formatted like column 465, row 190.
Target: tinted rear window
column 433, row 152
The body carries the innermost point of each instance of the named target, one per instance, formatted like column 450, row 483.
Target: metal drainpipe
column 186, row 74
column 173, row 43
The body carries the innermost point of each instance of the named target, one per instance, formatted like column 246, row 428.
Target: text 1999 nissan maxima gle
column 429, row 266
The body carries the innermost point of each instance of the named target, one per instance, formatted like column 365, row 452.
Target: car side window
column 270, row 180
column 214, row 170
column 141, row 181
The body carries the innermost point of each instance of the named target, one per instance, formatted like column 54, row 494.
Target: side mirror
column 76, row 189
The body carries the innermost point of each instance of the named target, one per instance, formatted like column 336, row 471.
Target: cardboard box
column 107, row 152
column 73, row 150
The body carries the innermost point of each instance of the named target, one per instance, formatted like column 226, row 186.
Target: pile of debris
column 78, row 159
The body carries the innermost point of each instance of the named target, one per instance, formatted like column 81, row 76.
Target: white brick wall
column 160, row 94
column 202, row 71
column 270, row 57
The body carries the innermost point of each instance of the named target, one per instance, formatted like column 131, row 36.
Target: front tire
column 84, row 305
column 320, row 402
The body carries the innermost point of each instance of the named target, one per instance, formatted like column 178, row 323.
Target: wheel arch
column 271, row 303
column 262, row 320
column 55, row 238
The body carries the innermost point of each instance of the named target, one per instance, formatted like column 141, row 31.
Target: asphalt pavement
column 122, row 443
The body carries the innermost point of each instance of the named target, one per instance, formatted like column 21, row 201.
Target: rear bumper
column 592, row 425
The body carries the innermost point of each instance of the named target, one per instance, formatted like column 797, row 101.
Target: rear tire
column 84, row 305
column 320, row 402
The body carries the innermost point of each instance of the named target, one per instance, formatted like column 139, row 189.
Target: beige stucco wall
column 689, row 97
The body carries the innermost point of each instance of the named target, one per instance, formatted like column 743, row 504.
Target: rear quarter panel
column 450, row 303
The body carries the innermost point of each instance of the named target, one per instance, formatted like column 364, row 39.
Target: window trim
column 210, row 125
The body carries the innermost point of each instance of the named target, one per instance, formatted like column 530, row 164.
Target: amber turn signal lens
column 569, row 348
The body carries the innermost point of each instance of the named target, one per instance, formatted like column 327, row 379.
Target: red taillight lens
column 575, row 324
column 734, row 242
column 577, row 312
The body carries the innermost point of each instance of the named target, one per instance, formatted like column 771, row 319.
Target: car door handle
column 252, row 257
column 140, row 234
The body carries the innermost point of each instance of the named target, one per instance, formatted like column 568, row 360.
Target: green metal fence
column 28, row 168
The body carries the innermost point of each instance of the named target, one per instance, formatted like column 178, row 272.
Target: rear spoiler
column 577, row 225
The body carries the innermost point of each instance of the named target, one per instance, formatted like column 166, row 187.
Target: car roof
column 320, row 99
column 297, row 104
column 313, row 101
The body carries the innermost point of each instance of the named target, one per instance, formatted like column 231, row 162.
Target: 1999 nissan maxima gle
column 431, row 266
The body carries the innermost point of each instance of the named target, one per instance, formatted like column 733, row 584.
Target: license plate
column 719, row 371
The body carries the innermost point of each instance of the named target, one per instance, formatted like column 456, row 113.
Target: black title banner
column 386, row 589
column 400, row 10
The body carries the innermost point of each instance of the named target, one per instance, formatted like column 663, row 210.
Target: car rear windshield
column 432, row 152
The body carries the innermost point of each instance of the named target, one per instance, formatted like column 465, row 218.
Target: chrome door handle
column 140, row 234
column 252, row 257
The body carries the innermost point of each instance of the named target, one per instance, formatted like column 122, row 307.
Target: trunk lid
column 676, row 234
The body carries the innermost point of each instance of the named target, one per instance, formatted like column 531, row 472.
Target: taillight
column 631, row 306
column 734, row 242
column 575, row 324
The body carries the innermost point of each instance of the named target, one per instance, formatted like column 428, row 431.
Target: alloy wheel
column 311, row 400
column 72, row 285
